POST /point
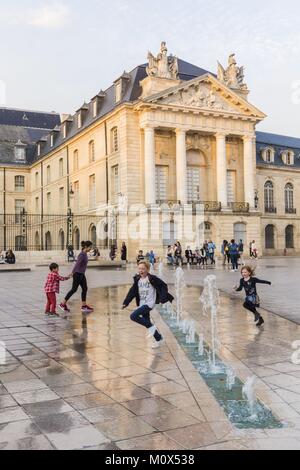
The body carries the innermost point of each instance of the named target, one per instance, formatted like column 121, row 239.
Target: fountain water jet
column 179, row 292
column 230, row 378
column 249, row 394
column 201, row 345
column 161, row 270
column 210, row 302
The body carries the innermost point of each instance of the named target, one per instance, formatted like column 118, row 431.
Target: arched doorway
column 169, row 232
column 289, row 237
column 240, row 232
column 205, row 232
column 76, row 238
column 61, row 239
column 93, row 234
column 48, row 241
column 37, row 245
column 270, row 237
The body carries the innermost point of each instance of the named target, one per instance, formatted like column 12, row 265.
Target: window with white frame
column 118, row 91
column 193, row 183
column 65, row 131
column 269, row 195
column 61, row 167
column 92, row 191
column 161, row 182
column 268, row 154
column 19, row 207
column 114, row 140
column 79, row 120
column 289, row 197
column 20, row 153
column 115, row 189
column 288, row 157
column 95, row 108
column 51, row 140
column 39, row 150
column 91, row 151
column 19, row 183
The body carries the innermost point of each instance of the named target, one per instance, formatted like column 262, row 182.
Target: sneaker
column 151, row 331
column 86, row 309
column 64, row 308
column 256, row 317
column 47, row 313
column 53, row 314
column 157, row 344
column 260, row 322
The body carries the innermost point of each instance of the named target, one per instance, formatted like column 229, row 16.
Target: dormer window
column 79, row 120
column 97, row 102
column 39, row 150
column 65, row 131
column 288, row 157
column 268, row 154
column 20, row 151
column 95, row 108
column 51, row 140
column 120, row 86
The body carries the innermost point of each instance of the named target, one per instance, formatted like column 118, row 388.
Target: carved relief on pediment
column 199, row 96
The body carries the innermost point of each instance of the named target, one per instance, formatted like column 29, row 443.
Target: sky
column 56, row 54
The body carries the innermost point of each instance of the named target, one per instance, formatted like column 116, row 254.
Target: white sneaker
column 151, row 331
column 157, row 344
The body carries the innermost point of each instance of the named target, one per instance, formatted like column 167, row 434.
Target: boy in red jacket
column 52, row 288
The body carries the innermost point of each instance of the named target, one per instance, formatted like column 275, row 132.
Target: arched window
column 268, row 154
column 76, row 236
column 93, row 235
column 48, row 241
column 269, row 197
column 114, row 140
column 289, row 197
column 61, row 238
column 75, row 160
column 91, row 151
column 269, row 237
column 288, row 157
column 289, row 237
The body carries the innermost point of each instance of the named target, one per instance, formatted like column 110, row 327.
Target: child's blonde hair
column 146, row 264
column 250, row 270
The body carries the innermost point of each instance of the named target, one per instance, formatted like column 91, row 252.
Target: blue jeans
column 142, row 316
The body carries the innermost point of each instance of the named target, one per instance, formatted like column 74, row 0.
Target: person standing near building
column 170, row 255
column 147, row 290
column 124, row 252
column 211, row 251
column 252, row 301
column 189, row 255
column 79, row 279
column 178, row 253
column 52, row 288
column 234, row 252
column 241, row 252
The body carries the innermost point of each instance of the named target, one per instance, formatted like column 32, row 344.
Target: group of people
column 232, row 253
column 7, row 257
column 147, row 289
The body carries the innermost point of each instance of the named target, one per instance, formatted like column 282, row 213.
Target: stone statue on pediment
column 233, row 76
column 162, row 66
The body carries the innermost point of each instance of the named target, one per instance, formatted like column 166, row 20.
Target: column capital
column 180, row 130
column 249, row 137
column 220, row 135
column 148, row 127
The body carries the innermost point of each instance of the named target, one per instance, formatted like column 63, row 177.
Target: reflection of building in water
column 167, row 135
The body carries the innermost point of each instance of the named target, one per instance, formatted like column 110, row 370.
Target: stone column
column 149, row 165
column 249, row 170
column 181, row 167
column 221, row 169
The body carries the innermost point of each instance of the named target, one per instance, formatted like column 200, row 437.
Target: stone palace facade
column 168, row 145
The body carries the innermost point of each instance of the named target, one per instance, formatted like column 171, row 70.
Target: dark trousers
column 142, row 316
column 79, row 279
column 252, row 308
column 234, row 261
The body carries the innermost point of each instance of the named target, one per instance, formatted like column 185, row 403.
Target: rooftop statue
column 162, row 66
column 233, row 76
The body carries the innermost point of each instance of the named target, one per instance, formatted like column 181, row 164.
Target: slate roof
column 33, row 119
column 279, row 143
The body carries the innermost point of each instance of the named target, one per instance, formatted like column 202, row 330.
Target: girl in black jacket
column 248, row 282
column 147, row 290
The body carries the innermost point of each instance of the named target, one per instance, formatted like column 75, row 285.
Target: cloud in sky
column 54, row 15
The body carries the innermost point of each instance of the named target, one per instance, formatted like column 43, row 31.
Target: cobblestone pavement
column 95, row 383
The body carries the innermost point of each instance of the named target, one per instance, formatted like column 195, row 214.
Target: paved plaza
column 95, row 383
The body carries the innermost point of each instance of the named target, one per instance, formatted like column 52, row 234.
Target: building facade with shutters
column 168, row 145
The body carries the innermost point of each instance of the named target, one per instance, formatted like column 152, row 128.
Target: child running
column 147, row 290
column 248, row 282
column 79, row 279
column 52, row 288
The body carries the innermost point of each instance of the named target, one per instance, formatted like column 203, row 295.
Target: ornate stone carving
column 201, row 96
column 162, row 66
column 233, row 76
column 198, row 142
